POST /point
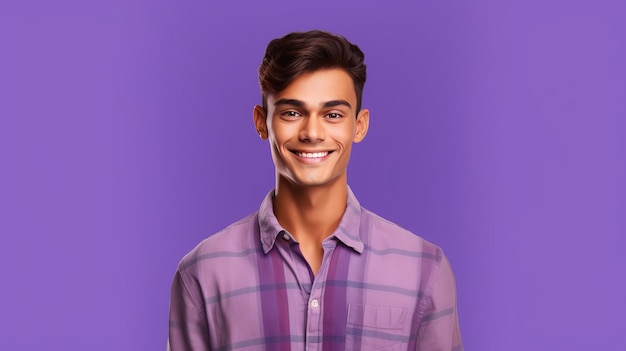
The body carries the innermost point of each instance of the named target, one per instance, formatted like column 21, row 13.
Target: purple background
column 498, row 132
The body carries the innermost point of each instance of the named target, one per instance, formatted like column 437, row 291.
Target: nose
column 312, row 129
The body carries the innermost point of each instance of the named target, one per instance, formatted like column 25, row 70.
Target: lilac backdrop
column 498, row 132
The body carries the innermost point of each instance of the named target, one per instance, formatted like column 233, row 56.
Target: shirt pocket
column 371, row 327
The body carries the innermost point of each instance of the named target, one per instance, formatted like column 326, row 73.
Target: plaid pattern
column 379, row 287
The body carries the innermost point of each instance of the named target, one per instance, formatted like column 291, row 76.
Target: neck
column 310, row 214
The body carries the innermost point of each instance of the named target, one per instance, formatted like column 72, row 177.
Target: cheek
column 343, row 136
column 283, row 133
column 277, row 141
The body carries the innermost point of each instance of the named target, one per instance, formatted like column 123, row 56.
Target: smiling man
column 312, row 269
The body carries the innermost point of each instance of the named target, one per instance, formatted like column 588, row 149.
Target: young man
column 312, row 269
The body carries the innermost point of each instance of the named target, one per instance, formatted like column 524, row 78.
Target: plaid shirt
column 379, row 287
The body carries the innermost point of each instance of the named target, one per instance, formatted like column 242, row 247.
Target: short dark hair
column 296, row 53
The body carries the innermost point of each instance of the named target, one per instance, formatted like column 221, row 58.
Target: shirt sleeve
column 188, row 329
column 439, row 329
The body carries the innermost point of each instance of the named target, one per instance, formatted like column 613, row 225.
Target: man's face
column 311, row 126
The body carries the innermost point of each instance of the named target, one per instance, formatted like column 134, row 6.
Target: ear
column 362, row 124
column 260, row 121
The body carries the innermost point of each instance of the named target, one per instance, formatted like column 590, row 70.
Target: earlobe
column 362, row 124
column 260, row 121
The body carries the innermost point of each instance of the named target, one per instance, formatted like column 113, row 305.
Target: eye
column 334, row 115
column 291, row 114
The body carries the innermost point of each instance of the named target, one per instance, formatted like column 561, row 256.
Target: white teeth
column 312, row 154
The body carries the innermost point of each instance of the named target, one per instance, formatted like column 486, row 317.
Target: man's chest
column 351, row 304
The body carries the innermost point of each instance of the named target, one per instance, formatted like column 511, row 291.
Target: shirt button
column 315, row 303
column 285, row 236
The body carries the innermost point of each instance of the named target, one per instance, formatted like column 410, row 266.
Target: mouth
column 311, row 155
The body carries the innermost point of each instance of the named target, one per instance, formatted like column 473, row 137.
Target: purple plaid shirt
column 379, row 287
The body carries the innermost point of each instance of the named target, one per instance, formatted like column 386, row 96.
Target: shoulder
column 399, row 257
column 236, row 240
column 381, row 234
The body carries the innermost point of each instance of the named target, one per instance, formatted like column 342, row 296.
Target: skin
column 315, row 113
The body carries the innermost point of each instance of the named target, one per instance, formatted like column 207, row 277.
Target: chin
column 314, row 182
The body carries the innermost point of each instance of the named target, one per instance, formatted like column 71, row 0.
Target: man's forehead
column 317, row 88
column 301, row 103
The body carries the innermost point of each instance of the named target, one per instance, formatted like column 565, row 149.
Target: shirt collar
column 347, row 232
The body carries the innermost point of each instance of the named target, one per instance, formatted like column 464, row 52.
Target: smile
column 312, row 154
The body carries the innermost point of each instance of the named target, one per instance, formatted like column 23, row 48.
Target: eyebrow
column 300, row 103
column 334, row 103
